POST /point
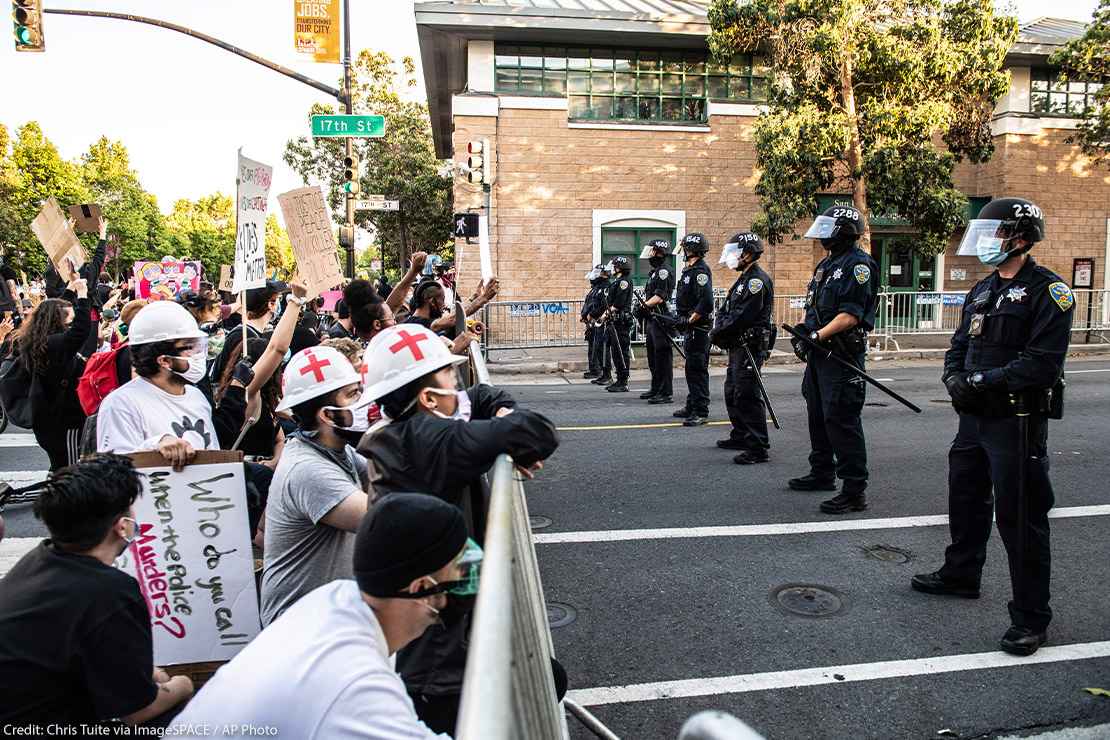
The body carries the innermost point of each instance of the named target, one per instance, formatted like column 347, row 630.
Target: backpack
column 98, row 380
column 18, row 389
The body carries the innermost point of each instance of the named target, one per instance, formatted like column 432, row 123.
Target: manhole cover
column 807, row 600
column 876, row 403
column 887, row 553
column 539, row 522
column 560, row 615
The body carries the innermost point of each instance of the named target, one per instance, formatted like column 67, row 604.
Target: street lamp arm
column 334, row 92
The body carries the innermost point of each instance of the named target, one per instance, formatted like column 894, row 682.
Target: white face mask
column 462, row 404
column 198, row 366
column 360, row 419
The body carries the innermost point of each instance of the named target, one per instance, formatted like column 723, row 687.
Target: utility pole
column 348, row 102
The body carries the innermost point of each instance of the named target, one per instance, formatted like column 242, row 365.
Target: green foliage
column 203, row 230
column 1088, row 58
column 401, row 165
column 860, row 92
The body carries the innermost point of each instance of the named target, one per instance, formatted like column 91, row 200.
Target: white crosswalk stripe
column 18, row 440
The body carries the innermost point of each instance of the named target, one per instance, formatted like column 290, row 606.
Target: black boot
column 695, row 420
column 648, row 395
column 682, row 413
column 751, row 457
column 620, row 386
column 1022, row 640
column 603, row 380
column 590, row 374
column 935, row 583
column 730, row 444
column 810, row 482
column 660, row 399
column 844, row 503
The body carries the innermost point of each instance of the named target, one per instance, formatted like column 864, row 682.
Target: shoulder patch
column 663, row 274
column 624, row 285
column 702, row 278
column 862, row 273
column 1062, row 294
column 755, row 285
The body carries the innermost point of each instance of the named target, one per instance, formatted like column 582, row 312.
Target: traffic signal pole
column 348, row 103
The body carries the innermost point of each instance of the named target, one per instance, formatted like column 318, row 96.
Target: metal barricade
column 533, row 324
column 1092, row 313
column 508, row 689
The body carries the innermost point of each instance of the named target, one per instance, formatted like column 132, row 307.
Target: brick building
column 609, row 126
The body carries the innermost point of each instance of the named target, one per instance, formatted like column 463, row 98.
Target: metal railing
column 508, row 689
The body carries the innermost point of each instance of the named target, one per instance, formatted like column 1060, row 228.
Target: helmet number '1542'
column 846, row 212
column 1026, row 209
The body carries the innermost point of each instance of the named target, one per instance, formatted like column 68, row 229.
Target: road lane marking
column 17, row 478
column 762, row 530
column 1078, row 372
column 746, row 683
column 661, row 425
column 18, row 440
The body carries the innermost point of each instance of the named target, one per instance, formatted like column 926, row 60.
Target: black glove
column 682, row 325
column 641, row 311
column 963, row 395
column 801, row 349
column 243, row 372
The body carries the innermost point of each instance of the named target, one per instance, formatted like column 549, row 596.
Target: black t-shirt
column 75, row 642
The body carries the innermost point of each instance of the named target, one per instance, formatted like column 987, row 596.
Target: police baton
column 658, row 319
column 762, row 388
column 827, row 352
column 1022, row 413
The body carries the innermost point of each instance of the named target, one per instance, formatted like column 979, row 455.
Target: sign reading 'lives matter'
column 193, row 558
column 252, row 192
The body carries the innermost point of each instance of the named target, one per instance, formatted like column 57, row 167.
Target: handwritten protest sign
column 56, row 236
column 253, row 191
column 193, row 558
column 225, row 278
column 309, row 227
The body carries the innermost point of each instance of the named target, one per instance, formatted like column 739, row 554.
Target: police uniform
column 1012, row 339
column 845, row 281
column 592, row 306
column 659, row 353
column 619, row 297
column 695, row 294
column 745, row 321
column 600, row 358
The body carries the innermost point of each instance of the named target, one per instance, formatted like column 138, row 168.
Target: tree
column 279, row 250
column 860, row 94
column 401, row 165
column 203, row 230
column 1088, row 59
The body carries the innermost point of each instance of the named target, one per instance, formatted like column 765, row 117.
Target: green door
column 629, row 243
column 904, row 270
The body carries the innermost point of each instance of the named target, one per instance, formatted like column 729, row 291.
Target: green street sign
column 348, row 125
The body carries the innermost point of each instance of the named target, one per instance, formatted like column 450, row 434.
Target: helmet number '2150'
column 1026, row 209
column 846, row 212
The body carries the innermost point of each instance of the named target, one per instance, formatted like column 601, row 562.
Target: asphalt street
column 662, row 563
column 673, row 614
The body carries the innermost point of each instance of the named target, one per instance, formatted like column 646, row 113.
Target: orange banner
column 316, row 29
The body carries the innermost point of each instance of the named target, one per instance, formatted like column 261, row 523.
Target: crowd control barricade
column 1092, row 314
column 508, row 689
column 533, row 324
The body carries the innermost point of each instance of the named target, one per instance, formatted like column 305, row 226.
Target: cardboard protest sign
column 316, row 29
column 309, row 227
column 87, row 218
column 252, row 193
column 225, row 278
column 165, row 279
column 57, row 238
column 193, row 559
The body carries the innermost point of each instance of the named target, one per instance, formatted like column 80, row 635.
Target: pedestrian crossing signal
column 465, row 225
column 27, row 25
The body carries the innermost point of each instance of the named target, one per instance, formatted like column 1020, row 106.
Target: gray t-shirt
column 302, row 554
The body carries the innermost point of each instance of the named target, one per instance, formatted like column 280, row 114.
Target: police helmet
column 693, row 244
column 998, row 223
column 656, row 248
column 620, row 264
column 838, row 224
column 741, row 243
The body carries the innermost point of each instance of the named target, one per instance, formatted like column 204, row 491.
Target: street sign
column 348, row 125
column 377, row 204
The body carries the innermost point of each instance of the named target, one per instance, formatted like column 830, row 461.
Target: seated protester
column 323, row 670
column 261, row 309
column 205, row 308
column 318, row 494
column 431, row 309
column 75, row 640
column 441, row 439
column 264, row 437
column 307, row 331
column 369, row 313
column 341, row 329
column 349, row 348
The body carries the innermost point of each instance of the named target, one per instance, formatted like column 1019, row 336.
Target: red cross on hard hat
column 314, row 372
column 399, row 355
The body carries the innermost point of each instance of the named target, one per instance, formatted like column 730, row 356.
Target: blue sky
column 184, row 107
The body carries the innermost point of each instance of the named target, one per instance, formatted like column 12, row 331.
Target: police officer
column 840, row 309
column 657, row 292
column 600, row 342
column 1003, row 372
column 592, row 307
column 695, row 309
column 618, row 316
column 745, row 322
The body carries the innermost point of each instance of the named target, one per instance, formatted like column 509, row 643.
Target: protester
column 410, row 559
column 205, row 308
column 441, row 439
column 264, row 437
column 261, row 308
column 317, row 497
column 369, row 313
column 48, row 348
column 342, row 328
column 75, row 638
column 8, row 291
column 431, row 310
column 349, row 348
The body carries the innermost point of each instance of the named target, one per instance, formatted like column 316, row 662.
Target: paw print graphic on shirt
column 192, row 432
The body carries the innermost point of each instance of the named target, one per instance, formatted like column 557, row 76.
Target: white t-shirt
column 135, row 416
column 321, row 670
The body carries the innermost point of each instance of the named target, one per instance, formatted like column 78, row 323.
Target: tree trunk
column 855, row 150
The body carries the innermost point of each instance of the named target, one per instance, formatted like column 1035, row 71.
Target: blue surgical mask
column 991, row 251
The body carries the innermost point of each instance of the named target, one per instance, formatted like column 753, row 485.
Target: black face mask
column 456, row 610
column 656, row 262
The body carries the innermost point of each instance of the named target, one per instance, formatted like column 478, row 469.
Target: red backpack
column 98, row 380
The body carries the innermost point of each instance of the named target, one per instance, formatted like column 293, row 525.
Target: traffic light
column 350, row 174
column 478, row 161
column 347, row 237
column 27, row 25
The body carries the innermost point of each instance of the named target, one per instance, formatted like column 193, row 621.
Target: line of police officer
column 1004, row 373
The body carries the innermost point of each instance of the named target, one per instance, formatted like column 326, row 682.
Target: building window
column 629, row 85
column 1051, row 97
column 629, row 243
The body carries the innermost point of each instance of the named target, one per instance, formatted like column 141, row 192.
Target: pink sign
column 330, row 298
column 165, row 279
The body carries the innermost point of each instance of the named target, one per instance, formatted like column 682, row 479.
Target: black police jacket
column 447, row 458
column 620, row 295
column 748, row 306
column 843, row 282
column 1016, row 332
column 595, row 302
column 660, row 284
column 695, row 293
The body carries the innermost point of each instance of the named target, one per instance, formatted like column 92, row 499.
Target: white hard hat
column 399, row 355
column 313, row 372
column 162, row 321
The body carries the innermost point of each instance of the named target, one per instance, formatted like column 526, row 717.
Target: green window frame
column 629, row 242
column 611, row 84
column 1048, row 96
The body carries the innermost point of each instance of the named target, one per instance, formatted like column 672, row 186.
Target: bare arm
column 487, row 294
column 279, row 343
column 840, row 323
column 171, row 693
column 348, row 513
column 397, row 295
